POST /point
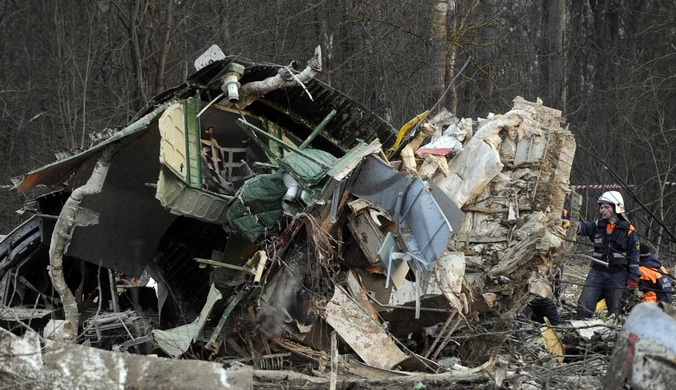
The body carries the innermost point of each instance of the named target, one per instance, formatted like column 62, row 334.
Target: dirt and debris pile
column 277, row 233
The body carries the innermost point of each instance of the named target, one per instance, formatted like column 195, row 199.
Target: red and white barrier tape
column 597, row 186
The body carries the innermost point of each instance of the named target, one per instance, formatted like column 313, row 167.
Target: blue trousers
column 601, row 285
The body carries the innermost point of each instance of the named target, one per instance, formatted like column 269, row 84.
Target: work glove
column 632, row 285
column 565, row 223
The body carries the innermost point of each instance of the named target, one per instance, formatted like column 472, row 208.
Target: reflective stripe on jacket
column 610, row 242
column 615, row 244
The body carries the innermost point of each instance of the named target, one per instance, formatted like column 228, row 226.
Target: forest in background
column 69, row 68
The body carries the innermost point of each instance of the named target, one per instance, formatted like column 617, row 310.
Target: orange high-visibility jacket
column 655, row 282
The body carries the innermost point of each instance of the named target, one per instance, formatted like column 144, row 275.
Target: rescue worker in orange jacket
column 655, row 281
column 615, row 265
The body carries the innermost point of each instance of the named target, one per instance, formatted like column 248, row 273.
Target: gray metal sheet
column 424, row 228
column 131, row 220
column 453, row 213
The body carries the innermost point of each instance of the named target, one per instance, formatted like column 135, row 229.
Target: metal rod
column 397, row 213
column 284, row 144
column 422, row 251
column 219, row 264
column 446, row 339
column 417, row 294
column 317, row 129
column 335, row 200
column 213, row 345
column 430, row 309
column 594, row 260
column 248, row 129
column 412, row 203
column 334, row 361
column 210, row 104
column 389, row 269
column 441, row 333
column 113, row 290
column 262, row 259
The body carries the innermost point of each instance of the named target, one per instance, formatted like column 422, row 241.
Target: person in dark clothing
column 615, row 266
column 539, row 308
column 655, row 282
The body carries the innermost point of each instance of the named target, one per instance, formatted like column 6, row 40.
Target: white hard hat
column 614, row 198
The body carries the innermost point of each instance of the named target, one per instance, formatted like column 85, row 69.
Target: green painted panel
column 192, row 124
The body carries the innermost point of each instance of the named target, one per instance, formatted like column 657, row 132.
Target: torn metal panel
column 366, row 226
column 176, row 341
column 361, row 332
column 426, row 286
column 380, row 184
column 16, row 245
column 132, row 221
column 22, row 313
column 58, row 172
column 217, row 335
column 181, row 199
column 298, row 113
column 20, row 245
column 453, row 213
column 351, row 160
column 211, row 55
column 396, row 266
column 353, row 121
column 406, row 198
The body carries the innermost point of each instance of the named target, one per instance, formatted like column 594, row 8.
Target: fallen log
column 293, row 380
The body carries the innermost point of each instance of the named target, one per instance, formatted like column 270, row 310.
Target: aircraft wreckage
column 256, row 215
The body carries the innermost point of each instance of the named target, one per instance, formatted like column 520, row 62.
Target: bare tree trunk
column 561, row 48
column 161, row 70
column 452, row 48
column 555, row 16
column 73, row 215
column 91, row 55
column 136, row 51
column 439, row 31
column 255, row 89
column 660, row 230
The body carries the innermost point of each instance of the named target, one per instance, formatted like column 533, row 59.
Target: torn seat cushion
column 307, row 170
column 257, row 206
